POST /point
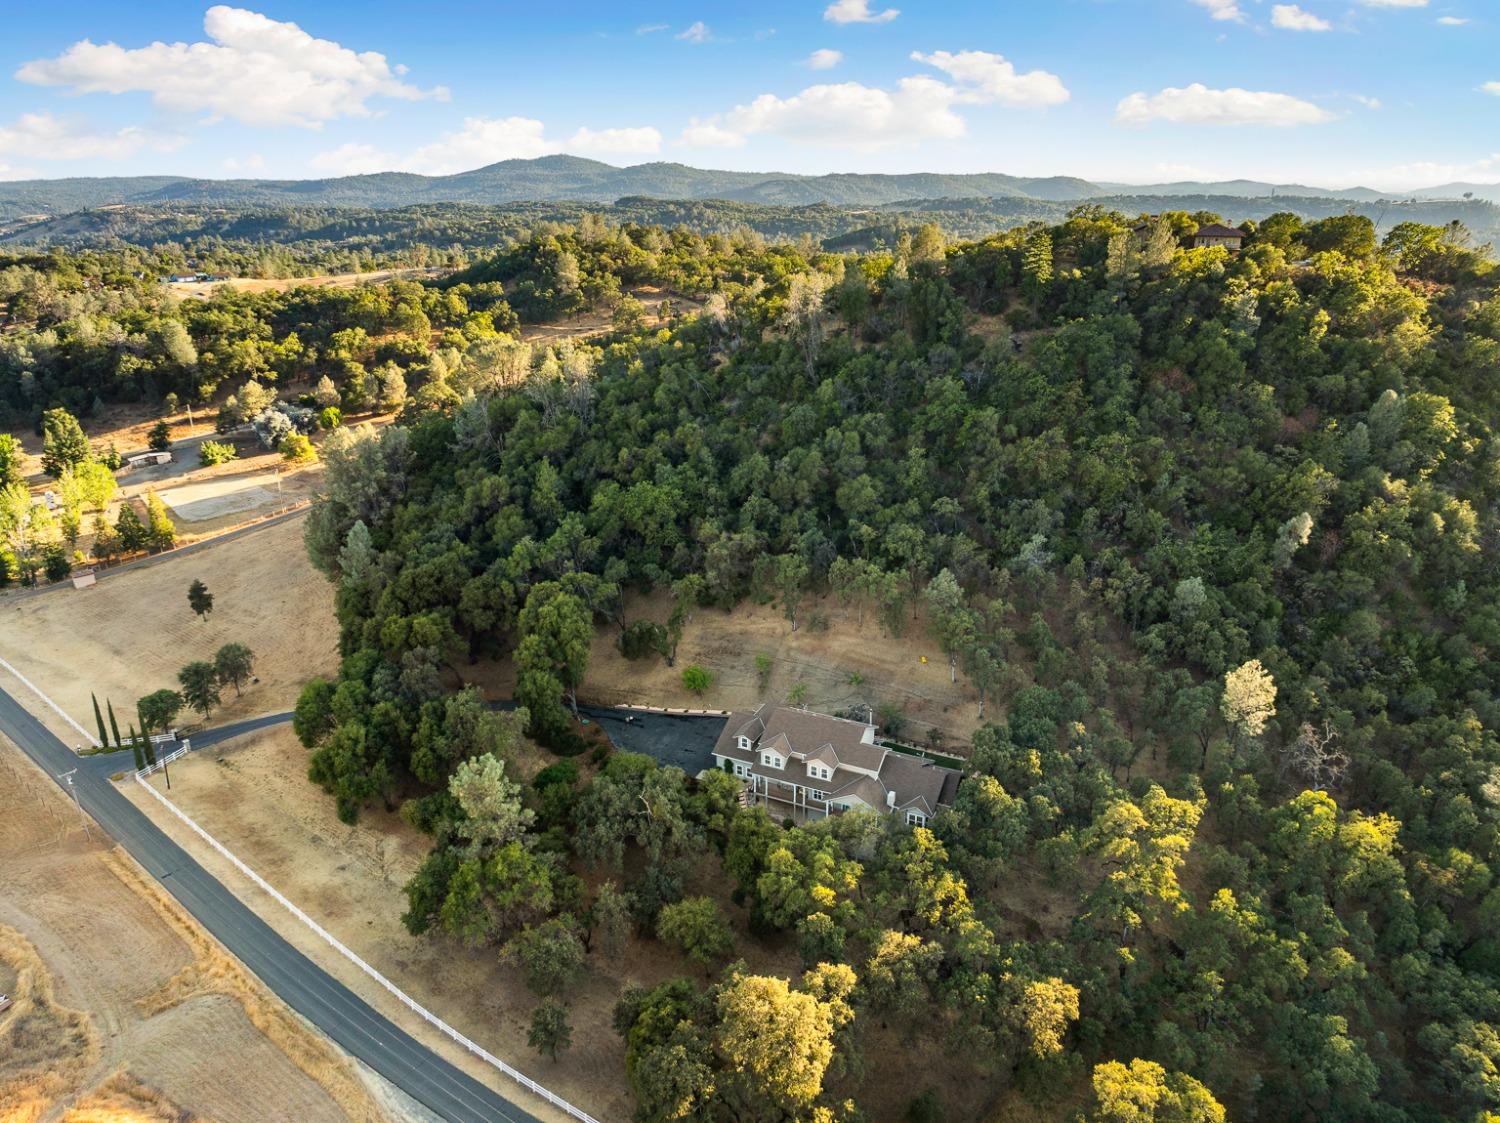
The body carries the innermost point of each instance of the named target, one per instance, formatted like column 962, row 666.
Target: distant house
column 795, row 760
column 1217, row 234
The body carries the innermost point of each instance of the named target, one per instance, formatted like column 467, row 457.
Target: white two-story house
column 820, row 765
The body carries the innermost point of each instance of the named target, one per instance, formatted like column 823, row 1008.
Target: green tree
column 200, row 600
column 1144, row 1092
column 200, row 686
column 556, row 629
column 550, row 1032
column 159, row 437
column 11, row 458
column 296, row 448
column 158, row 710
column 550, row 955
column 698, row 929
column 234, row 663
column 160, row 533
column 63, row 442
column 776, row 1044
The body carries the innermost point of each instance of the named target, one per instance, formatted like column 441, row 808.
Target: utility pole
column 73, row 790
column 190, row 418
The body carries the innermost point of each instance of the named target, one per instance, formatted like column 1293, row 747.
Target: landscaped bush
column 216, row 452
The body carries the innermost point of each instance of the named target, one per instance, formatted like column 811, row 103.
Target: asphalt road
column 304, row 986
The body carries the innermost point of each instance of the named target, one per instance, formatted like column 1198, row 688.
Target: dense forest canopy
column 294, row 240
column 1213, row 535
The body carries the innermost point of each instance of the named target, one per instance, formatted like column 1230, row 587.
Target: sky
column 1391, row 94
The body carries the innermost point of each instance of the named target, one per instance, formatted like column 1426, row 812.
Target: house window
column 915, row 818
column 771, row 760
column 819, row 772
column 813, row 793
column 742, row 742
column 741, row 769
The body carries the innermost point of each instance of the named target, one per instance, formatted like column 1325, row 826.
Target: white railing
column 411, row 1004
column 162, row 761
column 163, row 738
column 35, row 689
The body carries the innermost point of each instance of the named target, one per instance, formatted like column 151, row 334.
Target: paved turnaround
column 300, row 983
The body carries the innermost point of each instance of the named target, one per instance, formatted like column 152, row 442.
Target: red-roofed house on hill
column 1217, row 234
column 797, row 761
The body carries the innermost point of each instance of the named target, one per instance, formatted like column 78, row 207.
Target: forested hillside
column 1212, row 538
column 295, row 240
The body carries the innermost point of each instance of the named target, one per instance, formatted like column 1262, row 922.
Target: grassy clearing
column 45, row 1048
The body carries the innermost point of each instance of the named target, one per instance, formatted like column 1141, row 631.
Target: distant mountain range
column 571, row 178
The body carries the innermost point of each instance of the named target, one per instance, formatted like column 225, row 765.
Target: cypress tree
column 149, row 749
column 135, row 747
column 99, row 721
column 119, row 744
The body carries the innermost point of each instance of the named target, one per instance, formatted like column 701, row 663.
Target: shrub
column 696, row 679
column 56, row 564
column 159, row 438
column 216, row 452
column 330, row 417
column 297, row 448
column 641, row 637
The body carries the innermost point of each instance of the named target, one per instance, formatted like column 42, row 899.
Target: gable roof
column 1219, row 230
column 802, row 736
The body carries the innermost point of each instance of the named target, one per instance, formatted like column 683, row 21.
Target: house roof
column 849, row 747
column 1219, row 230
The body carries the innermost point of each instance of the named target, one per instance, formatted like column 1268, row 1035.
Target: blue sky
column 1388, row 93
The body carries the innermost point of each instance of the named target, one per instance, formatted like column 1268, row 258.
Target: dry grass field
column 126, row 1010
column 130, row 633
column 839, row 665
column 203, row 289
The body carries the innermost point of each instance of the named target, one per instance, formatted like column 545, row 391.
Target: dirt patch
column 129, row 634
column 204, row 289
column 213, row 499
column 600, row 320
column 88, row 937
column 839, row 662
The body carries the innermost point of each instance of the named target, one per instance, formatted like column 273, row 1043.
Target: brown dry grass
column 282, row 284
column 45, row 1047
column 214, row 971
column 123, row 1099
column 130, row 633
column 840, row 662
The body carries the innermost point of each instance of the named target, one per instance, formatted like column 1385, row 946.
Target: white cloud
column 651, row 28
column 1367, row 102
column 992, row 78
column 353, row 159
column 251, row 163
column 481, row 141
column 1452, row 21
column 256, row 70
column 704, row 134
column 1491, row 88
column 857, row 11
column 16, row 171
column 47, row 137
column 697, row 33
column 1222, row 9
column 1431, row 173
column 853, row 115
column 824, row 59
column 847, row 115
column 485, row 140
column 1290, row 17
column 634, row 141
column 1198, row 105
column 1394, row 3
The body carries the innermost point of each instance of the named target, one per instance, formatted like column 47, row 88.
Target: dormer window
column 771, row 760
column 742, row 742
column 820, row 772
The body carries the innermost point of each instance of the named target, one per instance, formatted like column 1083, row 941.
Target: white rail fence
column 162, row 761
column 37, row 690
column 421, row 1011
